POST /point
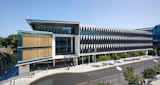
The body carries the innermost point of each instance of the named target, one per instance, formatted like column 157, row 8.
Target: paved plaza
column 28, row 78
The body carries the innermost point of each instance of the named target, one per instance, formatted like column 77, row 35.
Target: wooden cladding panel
column 36, row 40
column 36, row 53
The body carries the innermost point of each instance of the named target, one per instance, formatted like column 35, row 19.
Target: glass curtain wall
column 56, row 30
column 63, row 45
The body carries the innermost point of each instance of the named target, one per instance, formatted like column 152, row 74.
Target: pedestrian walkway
column 26, row 79
column 157, row 81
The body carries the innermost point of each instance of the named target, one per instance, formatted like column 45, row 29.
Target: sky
column 131, row 14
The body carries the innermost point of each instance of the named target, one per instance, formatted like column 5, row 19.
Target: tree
column 124, row 55
column 149, row 73
column 1, row 40
column 8, row 51
column 3, row 59
column 6, row 42
column 158, row 67
column 130, row 76
column 13, row 40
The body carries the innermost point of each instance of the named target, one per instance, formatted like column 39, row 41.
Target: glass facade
column 63, row 45
column 156, row 33
column 56, row 30
column 156, row 37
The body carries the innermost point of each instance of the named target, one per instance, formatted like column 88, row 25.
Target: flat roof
column 31, row 21
column 149, row 28
column 34, row 22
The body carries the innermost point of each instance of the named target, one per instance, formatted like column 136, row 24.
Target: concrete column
column 24, row 69
column 89, row 59
column 76, row 61
column 95, row 58
column 54, row 62
column 53, row 45
column 77, row 45
column 92, row 58
column 146, row 52
column 71, row 44
column 82, row 59
column 66, row 44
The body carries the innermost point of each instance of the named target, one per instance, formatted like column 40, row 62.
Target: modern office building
column 156, row 36
column 57, row 42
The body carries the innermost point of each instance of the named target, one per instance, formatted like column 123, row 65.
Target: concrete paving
column 26, row 79
column 157, row 81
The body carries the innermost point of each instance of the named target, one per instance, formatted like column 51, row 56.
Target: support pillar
column 54, row 62
column 89, row 59
column 75, row 61
column 82, row 59
column 93, row 58
column 71, row 44
column 23, row 69
column 146, row 52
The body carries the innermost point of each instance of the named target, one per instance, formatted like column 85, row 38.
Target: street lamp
column 154, row 60
column 119, row 69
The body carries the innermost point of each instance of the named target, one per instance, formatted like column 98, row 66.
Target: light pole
column 155, row 61
column 119, row 69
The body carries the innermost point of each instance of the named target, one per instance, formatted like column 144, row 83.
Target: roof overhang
column 33, row 61
column 33, row 22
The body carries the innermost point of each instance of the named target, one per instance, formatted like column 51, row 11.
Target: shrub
column 153, row 51
column 124, row 55
column 149, row 73
column 158, row 67
column 104, row 57
column 108, row 83
column 141, row 53
column 115, row 56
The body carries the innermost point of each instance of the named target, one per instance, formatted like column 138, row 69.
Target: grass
column 13, row 61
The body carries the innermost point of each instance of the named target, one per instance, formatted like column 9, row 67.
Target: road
column 92, row 77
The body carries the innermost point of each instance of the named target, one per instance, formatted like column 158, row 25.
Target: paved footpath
column 26, row 79
column 157, row 81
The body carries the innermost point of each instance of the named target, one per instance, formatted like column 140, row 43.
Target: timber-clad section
column 36, row 40
column 36, row 46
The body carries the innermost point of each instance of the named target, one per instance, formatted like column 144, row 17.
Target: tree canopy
column 130, row 76
column 149, row 73
column 158, row 67
column 11, row 41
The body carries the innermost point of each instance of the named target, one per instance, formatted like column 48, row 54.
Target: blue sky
column 130, row 14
